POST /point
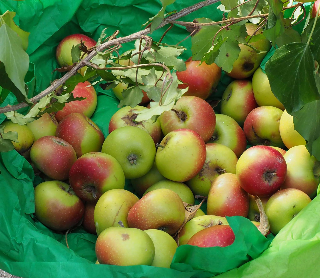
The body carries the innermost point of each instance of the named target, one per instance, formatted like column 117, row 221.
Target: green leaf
column 131, row 97
column 75, row 53
column 157, row 19
column 3, row 94
column 315, row 38
column 229, row 52
column 6, row 139
column 18, row 118
column 149, row 87
column 291, row 75
column 14, row 58
column 154, row 111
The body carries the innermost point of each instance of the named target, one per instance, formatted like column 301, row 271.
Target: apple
column 219, row 160
column 180, row 155
column 53, row 156
column 95, row 173
column 199, row 212
column 251, row 55
column 261, row 170
column 262, row 90
column 88, row 218
column 165, row 247
column 303, row 170
column 261, row 126
column 188, row 112
column 254, row 213
column 219, row 235
column 134, row 149
column 112, row 209
column 315, row 9
column 237, row 100
column 63, row 51
column 200, row 79
column 289, row 136
column 284, row 205
column 180, row 188
column 282, row 151
column 86, row 106
column 57, row 206
column 140, row 185
column 227, row 198
column 46, row 125
column 81, row 132
column 160, row 209
column 229, row 133
column 126, row 116
column 197, row 224
column 124, row 247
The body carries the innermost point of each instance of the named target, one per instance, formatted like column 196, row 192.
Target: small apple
column 57, row 206
column 124, row 247
column 227, row 198
column 88, row 218
column 165, row 247
column 238, row 101
column 81, row 132
column 200, row 79
column 261, row 126
column 282, row 151
column 284, row 205
column 160, row 209
column 261, row 170
column 112, row 209
column 53, row 156
column 219, row 160
column 134, row 149
column 188, row 112
column 85, row 106
column 229, row 133
column 262, row 90
column 95, row 173
column 46, row 125
column 315, row 9
column 180, row 155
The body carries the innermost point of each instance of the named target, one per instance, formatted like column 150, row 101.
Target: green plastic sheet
column 28, row 249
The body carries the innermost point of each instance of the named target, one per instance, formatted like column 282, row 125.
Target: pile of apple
column 187, row 152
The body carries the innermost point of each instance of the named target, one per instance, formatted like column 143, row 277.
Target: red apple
column 46, row 125
column 88, row 218
column 189, row 112
column 200, row 78
column 315, row 9
column 86, row 106
column 81, row 132
column 53, row 156
column 261, row 170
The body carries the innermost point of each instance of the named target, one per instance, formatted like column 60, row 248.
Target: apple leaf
column 18, row 118
column 150, row 80
column 155, row 110
column 229, row 7
column 228, row 54
column 315, row 38
column 75, row 53
column 291, row 75
column 131, row 96
column 6, row 139
column 157, row 19
column 307, row 122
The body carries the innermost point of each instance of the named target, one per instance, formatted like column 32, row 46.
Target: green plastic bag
column 29, row 249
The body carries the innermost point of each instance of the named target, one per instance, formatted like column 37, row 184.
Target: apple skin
column 229, row 133
column 219, row 235
column 160, row 209
column 126, row 116
column 197, row 224
column 188, row 112
column 165, row 247
column 261, row 170
column 262, row 90
column 181, row 155
column 315, row 9
column 289, row 136
column 249, row 60
column 53, row 156
column 282, row 151
column 283, row 205
column 57, row 206
column 88, row 218
column 81, row 132
column 134, row 149
column 200, row 78
column 112, row 207
column 124, row 247
column 261, row 126
column 219, row 160
column 180, row 188
column 95, row 173
column 238, row 101
column 87, row 106
column 227, row 198
column 303, row 170
column 254, row 213
column 46, row 125
column 63, row 51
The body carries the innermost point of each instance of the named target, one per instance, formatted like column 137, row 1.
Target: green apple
column 46, row 125
column 112, row 209
column 254, row 213
column 134, row 149
column 165, row 247
column 283, row 206
column 124, row 247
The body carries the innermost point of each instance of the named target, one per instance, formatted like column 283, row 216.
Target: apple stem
column 264, row 221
